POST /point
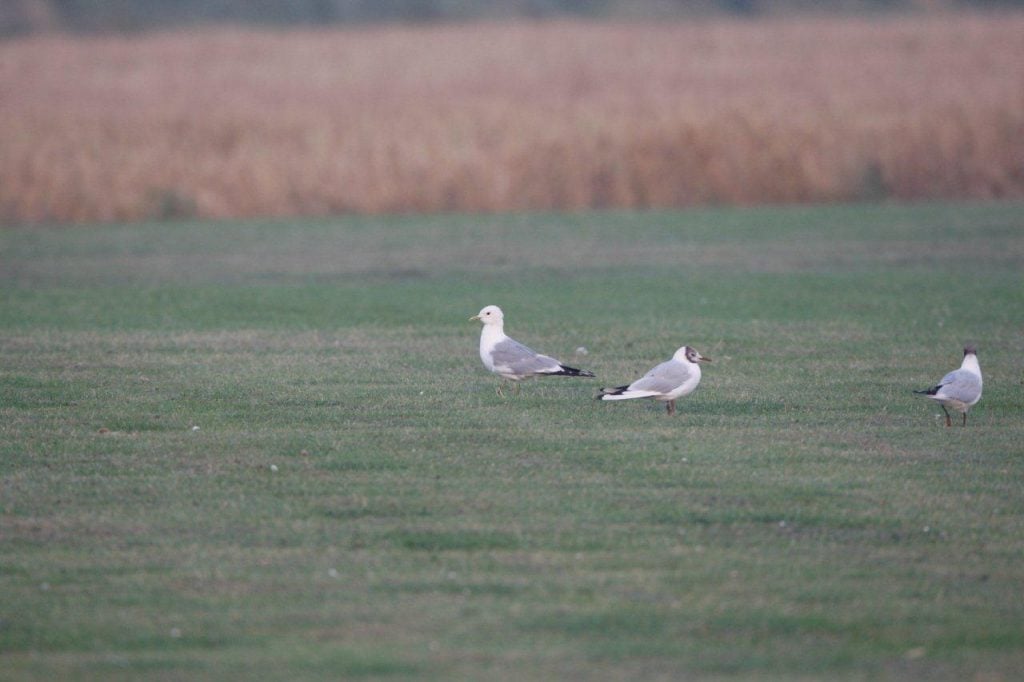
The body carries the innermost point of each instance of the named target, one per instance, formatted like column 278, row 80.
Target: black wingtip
column 930, row 391
column 566, row 371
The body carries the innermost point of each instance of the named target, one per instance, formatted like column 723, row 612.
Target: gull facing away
column 672, row 379
column 961, row 388
column 510, row 359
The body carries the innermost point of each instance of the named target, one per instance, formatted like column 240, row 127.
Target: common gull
column 510, row 359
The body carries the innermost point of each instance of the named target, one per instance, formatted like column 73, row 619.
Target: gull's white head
column 490, row 315
column 970, row 362
column 687, row 354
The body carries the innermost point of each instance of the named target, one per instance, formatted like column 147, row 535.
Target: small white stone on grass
column 273, row 467
column 195, row 428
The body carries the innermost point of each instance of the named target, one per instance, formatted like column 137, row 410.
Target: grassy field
column 509, row 117
column 268, row 450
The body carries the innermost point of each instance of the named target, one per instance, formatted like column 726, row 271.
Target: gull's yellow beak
column 475, row 317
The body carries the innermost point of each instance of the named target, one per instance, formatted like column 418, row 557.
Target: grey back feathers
column 521, row 360
column 663, row 378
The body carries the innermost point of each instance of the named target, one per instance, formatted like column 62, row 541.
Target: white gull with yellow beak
column 510, row 359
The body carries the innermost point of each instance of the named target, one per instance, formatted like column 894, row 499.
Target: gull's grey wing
column 521, row 360
column 664, row 378
column 960, row 385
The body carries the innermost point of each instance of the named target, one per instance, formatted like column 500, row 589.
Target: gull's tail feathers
column 623, row 393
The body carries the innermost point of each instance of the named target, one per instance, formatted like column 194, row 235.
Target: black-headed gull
column 510, row 359
column 961, row 388
column 672, row 379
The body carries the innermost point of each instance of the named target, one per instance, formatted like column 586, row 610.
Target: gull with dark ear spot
column 672, row 379
column 510, row 359
column 961, row 388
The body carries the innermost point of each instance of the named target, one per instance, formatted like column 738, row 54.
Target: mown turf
column 269, row 450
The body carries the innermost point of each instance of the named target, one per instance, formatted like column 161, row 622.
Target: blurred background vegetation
column 26, row 16
column 121, row 110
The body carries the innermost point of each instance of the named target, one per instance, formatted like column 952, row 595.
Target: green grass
column 802, row 516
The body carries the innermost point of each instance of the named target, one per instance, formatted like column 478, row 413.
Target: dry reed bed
column 233, row 123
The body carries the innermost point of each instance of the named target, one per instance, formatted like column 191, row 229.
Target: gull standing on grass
column 510, row 359
column 673, row 379
column 961, row 388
